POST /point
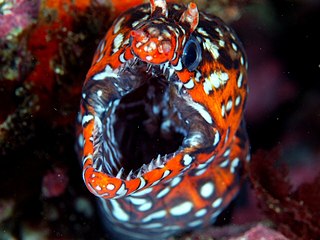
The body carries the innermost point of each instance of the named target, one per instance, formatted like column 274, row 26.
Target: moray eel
column 163, row 140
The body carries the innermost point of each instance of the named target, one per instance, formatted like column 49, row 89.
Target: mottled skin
column 190, row 187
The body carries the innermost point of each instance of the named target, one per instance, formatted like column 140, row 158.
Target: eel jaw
column 147, row 126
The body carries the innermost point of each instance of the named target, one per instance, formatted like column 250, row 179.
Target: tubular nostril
column 139, row 36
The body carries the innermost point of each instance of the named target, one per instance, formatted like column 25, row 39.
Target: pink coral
column 15, row 16
column 260, row 232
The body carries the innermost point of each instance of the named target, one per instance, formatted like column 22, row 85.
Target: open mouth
column 147, row 126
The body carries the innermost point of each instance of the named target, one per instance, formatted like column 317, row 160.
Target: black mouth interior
column 140, row 127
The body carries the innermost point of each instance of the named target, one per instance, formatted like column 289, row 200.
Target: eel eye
column 191, row 55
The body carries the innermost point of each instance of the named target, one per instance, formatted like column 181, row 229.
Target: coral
column 16, row 20
column 260, row 232
column 293, row 212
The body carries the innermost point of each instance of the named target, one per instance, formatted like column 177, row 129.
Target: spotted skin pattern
column 189, row 188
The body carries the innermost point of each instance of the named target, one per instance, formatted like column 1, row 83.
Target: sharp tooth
column 134, row 61
column 144, row 168
column 158, row 161
column 171, row 71
column 129, row 177
column 151, row 165
column 119, row 174
column 139, row 173
column 165, row 66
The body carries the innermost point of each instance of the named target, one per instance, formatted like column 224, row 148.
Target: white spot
column 118, row 212
column 200, row 172
column 224, row 77
column 121, row 58
column 152, row 225
column 202, row 32
column 176, row 7
column 135, row 23
column 155, row 183
column 163, row 192
column 229, row 105
column 227, row 152
column 206, row 17
column 80, row 140
column 117, row 26
column 110, row 186
column 137, row 201
column 217, row 79
column 98, row 188
column 207, row 87
column 234, row 164
column 234, row 46
column 108, row 72
column 207, row 189
column 239, row 82
column 216, row 214
column 224, row 163
column 142, row 192
column 149, row 58
column 86, row 119
column 117, row 42
column 241, row 60
column 189, row 84
column 99, row 93
column 146, row 206
column 248, row 157
column 221, row 43
column 155, row 215
column 121, row 191
column 197, row 77
column 102, row 45
column 181, row 209
column 238, row 99
column 187, row 160
column 219, row 31
column 195, row 223
column 212, row 48
column 84, row 95
column 171, row 228
column 202, row 111
column 223, row 110
column 142, row 183
column 179, row 66
column 202, row 165
column 175, row 181
column 166, row 173
column 99, row 58
column 217, row 203
column 216, row 138
column 201, row 212
column 210, row 159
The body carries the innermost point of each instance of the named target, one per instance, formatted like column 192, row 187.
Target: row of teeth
column 166, row 70
column 159, row 161
column 155, row 163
